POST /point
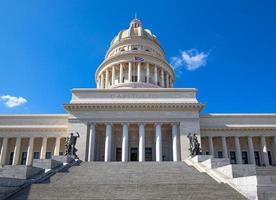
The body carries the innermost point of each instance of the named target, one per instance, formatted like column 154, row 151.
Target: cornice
column 134, row 107
column 32, row 128
column 238, row 128
column 34, row 116
column 234, row 115
column 125, row 90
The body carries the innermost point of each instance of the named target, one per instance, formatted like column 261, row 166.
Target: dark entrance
column 134, row 154
column 148, row 154
column 244, row 157
column 233, row 157
column 257, row 158
column 23, row 158
column 118, row 154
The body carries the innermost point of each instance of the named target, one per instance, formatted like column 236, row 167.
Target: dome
column 135, row 30
column 135, row 59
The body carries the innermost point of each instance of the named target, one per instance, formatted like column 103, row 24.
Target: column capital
column 141, row 124
column 91, row 123
column 158, row 124
column 125, row 123
column 175, row 123
column 108, row 123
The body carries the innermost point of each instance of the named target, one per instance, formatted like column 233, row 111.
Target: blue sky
column 49, row 47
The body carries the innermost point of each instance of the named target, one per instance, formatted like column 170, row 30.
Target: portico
column 128, row 141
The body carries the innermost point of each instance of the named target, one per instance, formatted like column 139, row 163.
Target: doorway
column 134, row 154
column 148, row 154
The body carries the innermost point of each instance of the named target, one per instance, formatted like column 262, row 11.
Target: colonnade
column 141, row 138
column 134, row 72
column 17, row 150
column 250, row 149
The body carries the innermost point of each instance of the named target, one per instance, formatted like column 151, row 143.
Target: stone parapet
column 46, row 163
column 19, row 171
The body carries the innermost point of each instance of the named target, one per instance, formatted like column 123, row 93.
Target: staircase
column 131, row 180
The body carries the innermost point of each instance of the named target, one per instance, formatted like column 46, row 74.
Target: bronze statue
column 70, row 143
column 194, row 145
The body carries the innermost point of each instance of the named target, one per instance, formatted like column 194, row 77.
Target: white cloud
column 12, row 101
column 190, row 60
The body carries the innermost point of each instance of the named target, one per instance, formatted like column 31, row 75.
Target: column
column 139, row 72
column 30, row 152
column 125, row 143
column 130, row 72
column 106, row 78
column 224, row 147
column 113, row 75
column 238, row 150
column 3, row 151
column 162, row 77
column 92, row 137
column 174, row 140
column 155, row 75
column 121, row 73
column 108, row 135
column 158, row 142
column 251, row 150
column 102, row 80
column 211, row 146
column 141, row 142
column 148, row 73
column 274, row 150
column 167, row 80
column 16, row 151
column 43, row 148
column 57, row 147
column 264, row 151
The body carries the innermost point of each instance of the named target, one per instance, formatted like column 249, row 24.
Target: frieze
column 134, row 96
column 135, row 107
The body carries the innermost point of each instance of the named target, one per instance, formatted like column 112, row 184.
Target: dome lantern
column 135, row 23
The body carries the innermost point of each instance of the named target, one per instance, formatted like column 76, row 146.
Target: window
column 233, row 157
column 23, row 158
column 135, row 48
column 207, row 153
column 48, row 155
column 61, row 153
column 244, row 157
column 220, row 154
column 36, row 155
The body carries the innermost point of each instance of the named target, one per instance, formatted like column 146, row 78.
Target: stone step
column 133, row 180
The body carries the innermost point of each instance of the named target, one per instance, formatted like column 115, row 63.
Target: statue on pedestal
column 194, row 145
column 70, row 143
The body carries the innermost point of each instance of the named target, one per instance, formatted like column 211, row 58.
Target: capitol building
column 136, row 114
